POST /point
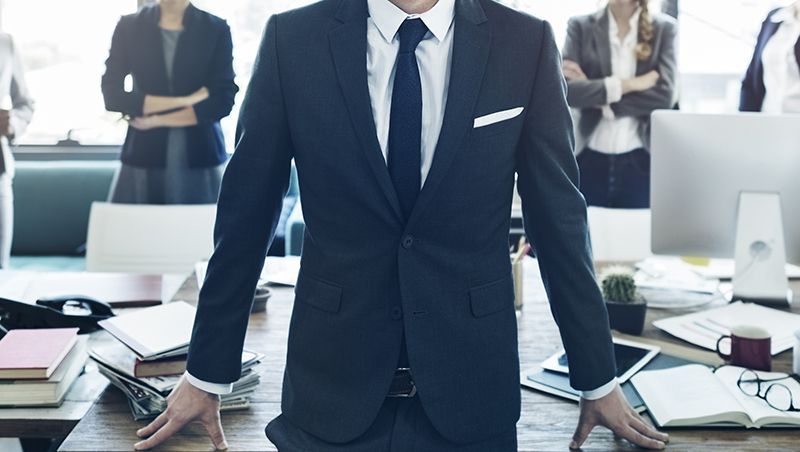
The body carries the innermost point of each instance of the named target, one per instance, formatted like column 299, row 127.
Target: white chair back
column 149, row 239
column 620, row 235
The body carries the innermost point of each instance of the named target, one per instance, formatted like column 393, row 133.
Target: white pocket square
column 504, row 115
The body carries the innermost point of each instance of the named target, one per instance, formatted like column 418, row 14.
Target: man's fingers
column 645, row 429
column 640, row 440
column 581, row 433
column 150, row 428
column 214, row 429
column 163, row 434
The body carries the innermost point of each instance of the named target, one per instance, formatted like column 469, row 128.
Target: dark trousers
column 615, row 180
column 401, row 426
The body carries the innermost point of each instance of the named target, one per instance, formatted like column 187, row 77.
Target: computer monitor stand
column 760, row 275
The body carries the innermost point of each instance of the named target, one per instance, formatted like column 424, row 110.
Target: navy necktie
column 405, row 121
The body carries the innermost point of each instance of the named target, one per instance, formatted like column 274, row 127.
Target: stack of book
column 149, row 357
column 37, row 367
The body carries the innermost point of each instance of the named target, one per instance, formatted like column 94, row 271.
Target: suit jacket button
column 408, row 242
column 397, row 313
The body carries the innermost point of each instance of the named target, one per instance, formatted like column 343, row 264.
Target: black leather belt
column 402, row 384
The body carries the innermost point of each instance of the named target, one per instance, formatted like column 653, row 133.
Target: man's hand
column 572, row 70
column 614, row 413
column 640, row 83
column 186, row 404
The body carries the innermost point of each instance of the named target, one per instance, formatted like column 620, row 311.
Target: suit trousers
column 401, row 426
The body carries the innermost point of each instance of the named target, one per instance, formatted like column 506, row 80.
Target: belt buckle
column 410, row 393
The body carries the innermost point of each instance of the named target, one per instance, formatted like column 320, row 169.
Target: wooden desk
column 547, row 423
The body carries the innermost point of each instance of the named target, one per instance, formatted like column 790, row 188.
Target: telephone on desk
column 54, row 312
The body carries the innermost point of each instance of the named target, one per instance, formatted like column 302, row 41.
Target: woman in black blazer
column 772, row 81
column 180, row 60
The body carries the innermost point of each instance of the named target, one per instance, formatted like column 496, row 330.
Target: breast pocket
column 496, row 123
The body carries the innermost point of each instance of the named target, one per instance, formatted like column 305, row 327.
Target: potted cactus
column 626, row 308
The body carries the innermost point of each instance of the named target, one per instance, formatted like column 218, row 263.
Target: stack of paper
column 706, row 327
column 671, row 283
column 159, row 337
column 280, row 271
column 147, row 395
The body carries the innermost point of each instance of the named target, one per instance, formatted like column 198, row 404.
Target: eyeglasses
column 777, row 395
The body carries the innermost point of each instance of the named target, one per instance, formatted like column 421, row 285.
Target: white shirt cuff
column 613, row 89
column 213, row 388
column 600, row 392
column 608, row 113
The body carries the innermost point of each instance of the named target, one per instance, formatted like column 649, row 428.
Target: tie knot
column 411, row 33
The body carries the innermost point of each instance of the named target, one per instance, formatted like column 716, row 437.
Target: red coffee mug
column 751, row 347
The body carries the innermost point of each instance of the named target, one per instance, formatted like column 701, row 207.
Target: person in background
column 181, row 62
column 620, row 66
column 772, row 81
column 12, row 124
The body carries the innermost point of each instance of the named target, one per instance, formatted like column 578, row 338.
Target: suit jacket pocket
column 319, row 294
column 493, row 297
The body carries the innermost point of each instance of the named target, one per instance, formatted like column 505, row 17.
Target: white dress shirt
column 434, row 57
column 781, row 71
column 618, row 135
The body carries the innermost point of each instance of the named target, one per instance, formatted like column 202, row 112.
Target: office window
column 64, row 45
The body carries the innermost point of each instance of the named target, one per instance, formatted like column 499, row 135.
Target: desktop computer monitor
column 728, row 185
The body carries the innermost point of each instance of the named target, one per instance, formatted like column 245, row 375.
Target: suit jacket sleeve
column 661, row 96
column 753, row 90
column 554, row 213
column 118, row 66
column 251, row 197
column 221, row 86
column 581, row 93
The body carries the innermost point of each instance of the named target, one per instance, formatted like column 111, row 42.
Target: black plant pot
column 627, row 317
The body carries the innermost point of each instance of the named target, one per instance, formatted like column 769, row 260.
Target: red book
column 34, row 354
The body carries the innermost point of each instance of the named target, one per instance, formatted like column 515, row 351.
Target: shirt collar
column 388, row 17
column 785, row 14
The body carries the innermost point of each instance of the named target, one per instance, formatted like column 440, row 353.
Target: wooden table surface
column 547, row 423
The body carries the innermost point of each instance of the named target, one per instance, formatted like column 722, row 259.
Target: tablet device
column 630, row 356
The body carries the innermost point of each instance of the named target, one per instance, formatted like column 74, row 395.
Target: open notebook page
column 757, row 409
column 687, row 395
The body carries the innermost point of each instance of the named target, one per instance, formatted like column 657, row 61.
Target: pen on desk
column 521, row 252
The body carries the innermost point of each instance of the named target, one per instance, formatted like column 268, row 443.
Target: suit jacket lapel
column 153, row 42
column 602, row 43
column 471, row 44
column 349, row 48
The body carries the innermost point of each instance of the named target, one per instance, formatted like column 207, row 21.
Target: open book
column 694, row 395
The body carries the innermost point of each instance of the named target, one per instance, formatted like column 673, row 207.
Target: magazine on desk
column 696, row 396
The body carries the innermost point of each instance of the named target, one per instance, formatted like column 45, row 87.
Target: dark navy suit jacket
column 203, row 58
column 367, row 275
column 753, row 89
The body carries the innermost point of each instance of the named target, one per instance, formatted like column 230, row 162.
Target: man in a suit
column 407, row 120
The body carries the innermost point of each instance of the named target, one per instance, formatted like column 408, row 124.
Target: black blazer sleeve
column 751, row 97
column 248, row 211
column 220, row 84
column 118, row 66
column 554, row 213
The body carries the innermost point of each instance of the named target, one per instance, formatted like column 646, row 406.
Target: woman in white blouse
column 772, row 82
column 620, row 66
